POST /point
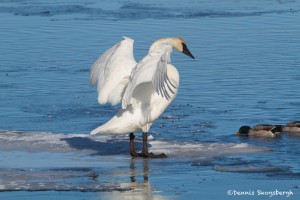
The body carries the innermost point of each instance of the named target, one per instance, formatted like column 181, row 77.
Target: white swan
column 145, row 89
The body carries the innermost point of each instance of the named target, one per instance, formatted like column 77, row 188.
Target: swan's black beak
column 186, row 51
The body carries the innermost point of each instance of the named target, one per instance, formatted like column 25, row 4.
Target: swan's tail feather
column 124, row 122
column 106, row 128
column 96, row 131
column 113, row 126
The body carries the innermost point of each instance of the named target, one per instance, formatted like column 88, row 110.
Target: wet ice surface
column 68, row 179
column 45, row 161
column 113, row 145
column 246, row 72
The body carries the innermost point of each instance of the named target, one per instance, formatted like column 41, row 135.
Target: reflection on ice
column 141, row 187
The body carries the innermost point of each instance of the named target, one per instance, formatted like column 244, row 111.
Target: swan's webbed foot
column 152, row 155
column 147, row 155
column 135, row 154
column 144, row 153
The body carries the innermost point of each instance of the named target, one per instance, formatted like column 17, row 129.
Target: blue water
column 246, row 72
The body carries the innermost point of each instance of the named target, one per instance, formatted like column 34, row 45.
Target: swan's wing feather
column 152, row 68
column 112, row 70
column 160, row 80
column 97, row 72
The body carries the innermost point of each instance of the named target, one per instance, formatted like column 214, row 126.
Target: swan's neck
column 174, row 42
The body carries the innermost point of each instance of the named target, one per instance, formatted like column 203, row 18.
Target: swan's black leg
column 145, row 152
column 132, row 150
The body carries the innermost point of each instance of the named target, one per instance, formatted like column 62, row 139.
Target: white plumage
column 112, row 71
column 145, row 89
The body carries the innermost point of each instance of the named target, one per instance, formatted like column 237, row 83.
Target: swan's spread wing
column 160, row 79
column 112, row 70
column 152, row 68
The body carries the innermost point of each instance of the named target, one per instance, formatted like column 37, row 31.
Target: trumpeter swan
column 145, row 89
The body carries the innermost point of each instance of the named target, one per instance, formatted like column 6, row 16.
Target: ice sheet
column 114, row 145
column 46, row 161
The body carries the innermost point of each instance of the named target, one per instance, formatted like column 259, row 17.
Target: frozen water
column 36, row 159
column 113, row 145
column 68, row 179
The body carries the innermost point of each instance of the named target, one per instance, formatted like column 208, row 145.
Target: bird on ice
column 145, row 89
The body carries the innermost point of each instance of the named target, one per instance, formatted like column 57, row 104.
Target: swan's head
column 176, row 42
column 180, row 45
